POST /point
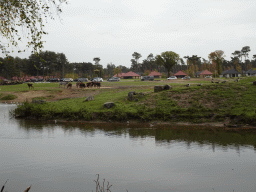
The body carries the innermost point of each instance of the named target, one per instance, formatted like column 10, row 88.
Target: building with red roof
column 180, row 74
column 120, row 75
column 130, row 75
column 155, row 74
column 203, row 73
column 2, row 78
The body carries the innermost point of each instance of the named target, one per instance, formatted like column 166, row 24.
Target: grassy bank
column 211, row 102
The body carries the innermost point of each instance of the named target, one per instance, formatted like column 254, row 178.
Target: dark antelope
column 69, row 85
column 30, row 85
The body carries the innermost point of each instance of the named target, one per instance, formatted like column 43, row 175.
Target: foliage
column 117, row 70
column 147, row 72
column 29, row 14
column 164, row 76
column 167, row 59
column 9, row 97
column 217, row 57
column 71, row 75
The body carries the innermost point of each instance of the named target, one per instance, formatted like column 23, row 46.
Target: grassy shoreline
column 231, row 102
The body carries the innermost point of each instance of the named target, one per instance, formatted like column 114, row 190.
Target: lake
column 67, row 156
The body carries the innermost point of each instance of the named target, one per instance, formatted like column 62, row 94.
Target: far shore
column 228, row 105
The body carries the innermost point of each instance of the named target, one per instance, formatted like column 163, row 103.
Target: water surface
column 67, row 156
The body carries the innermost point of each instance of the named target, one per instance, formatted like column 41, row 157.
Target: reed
column 2, row 189
column 101, row 188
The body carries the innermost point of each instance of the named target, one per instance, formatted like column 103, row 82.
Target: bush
column 9, row 97
column 164, row 75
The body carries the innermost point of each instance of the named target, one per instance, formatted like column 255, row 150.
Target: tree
column 245, row 52
column 217, row 57
column 96, row 60
column 29, row 14
column 192, row 61
column 237, row 54
column 136, row 57
column 167, row 59
column 117, row 70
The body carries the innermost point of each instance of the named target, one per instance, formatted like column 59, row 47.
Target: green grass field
column 206, row 103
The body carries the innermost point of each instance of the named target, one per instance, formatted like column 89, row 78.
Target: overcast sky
column 114, row 29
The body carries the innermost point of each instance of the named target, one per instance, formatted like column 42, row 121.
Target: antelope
column 30, row 85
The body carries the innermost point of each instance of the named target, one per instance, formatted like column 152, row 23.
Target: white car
column 172, row 77
column 68, row 79
column 97, row 79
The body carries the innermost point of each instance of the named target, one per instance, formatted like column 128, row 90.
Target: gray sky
column 114, row 29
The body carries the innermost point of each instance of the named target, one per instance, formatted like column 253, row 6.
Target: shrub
column 9, row 97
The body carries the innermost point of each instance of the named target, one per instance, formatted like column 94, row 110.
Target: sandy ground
column 52, row 95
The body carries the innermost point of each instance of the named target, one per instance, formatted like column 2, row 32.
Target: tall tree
column 193, row 67
column 217, row 57
column 29, row 14
column 117, row 71
column 167, row 59
column 136, row 57
column 245, row 52
column 96, row 60
column 237, row 54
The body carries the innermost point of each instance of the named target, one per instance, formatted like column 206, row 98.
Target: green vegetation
column 9, row 97
column 207, row 103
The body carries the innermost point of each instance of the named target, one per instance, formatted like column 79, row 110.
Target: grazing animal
column 69, row 85
column 200, row 84
column 78, row 84
column 97, row 84
column 237, row 80
column 89, row 84
column 82, row 85
column 30, row 85
column 187, row 85
column 64, row 83
column 223, row 81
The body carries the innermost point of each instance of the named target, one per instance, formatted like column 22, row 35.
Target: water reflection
column 67, row 156
column 164, row 135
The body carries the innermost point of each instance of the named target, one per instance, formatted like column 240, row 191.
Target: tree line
column 52, row 64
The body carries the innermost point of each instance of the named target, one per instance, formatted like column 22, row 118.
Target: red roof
column 119, row 75
column 206, row 72
column 131, row 74
column 154, row 73
column 180, row 73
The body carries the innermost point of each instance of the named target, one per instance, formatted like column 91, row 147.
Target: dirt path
column 52, row 95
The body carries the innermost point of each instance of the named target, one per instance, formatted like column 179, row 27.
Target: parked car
column 114, row 79
column 172, row 77
column 68, row 79
column 208, row 76
column 81, row 79
column 32, row 80
column 53, row 80
column 147, row 78
column 97, row 79
column 186, row 77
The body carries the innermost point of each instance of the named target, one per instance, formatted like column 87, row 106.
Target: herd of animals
column 69, row 85
column 98, row 84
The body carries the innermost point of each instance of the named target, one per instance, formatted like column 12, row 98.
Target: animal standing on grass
column 97, row 84
column 78, row 84
column 82, row 85
column 30, row 85
column 64, row 83
column 89, row 84
column 69, row 85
